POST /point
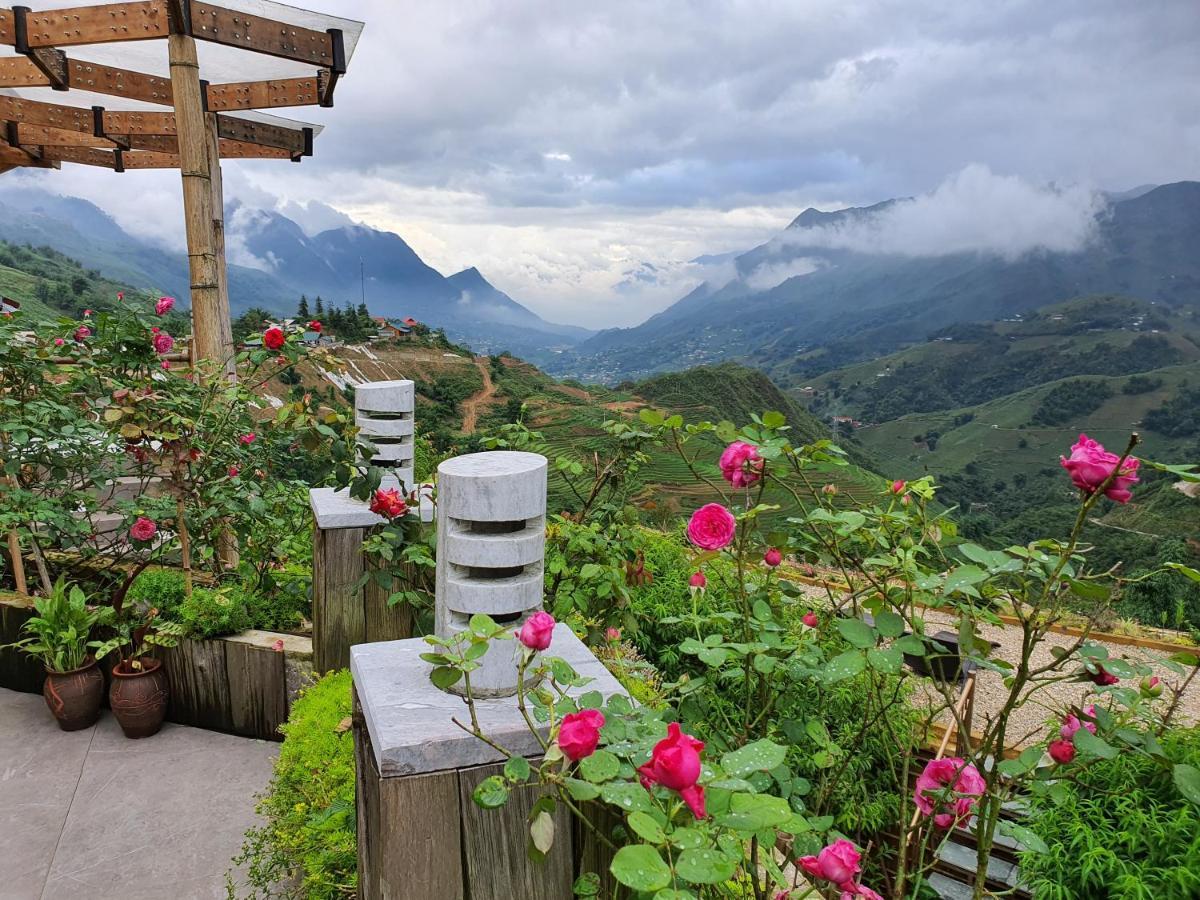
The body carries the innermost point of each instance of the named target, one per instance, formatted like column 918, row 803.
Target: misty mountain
column 810, row 300
column 342, row 265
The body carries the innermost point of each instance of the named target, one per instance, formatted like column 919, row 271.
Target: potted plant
column 58, row 636
column 139, row 692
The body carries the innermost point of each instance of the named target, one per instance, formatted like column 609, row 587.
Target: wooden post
column 212, row 331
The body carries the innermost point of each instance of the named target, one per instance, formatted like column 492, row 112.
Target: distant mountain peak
column 815, row 218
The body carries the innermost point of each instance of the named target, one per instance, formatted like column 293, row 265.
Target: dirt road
column 470, row 406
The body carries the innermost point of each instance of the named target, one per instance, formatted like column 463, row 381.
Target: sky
column 582, row 154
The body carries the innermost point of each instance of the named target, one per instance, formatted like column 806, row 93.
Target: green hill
column 47, row 283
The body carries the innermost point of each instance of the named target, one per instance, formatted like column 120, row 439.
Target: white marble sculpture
column 383, row 411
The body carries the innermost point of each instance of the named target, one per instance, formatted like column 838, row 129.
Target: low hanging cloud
column 770, row 274
column 973, row 211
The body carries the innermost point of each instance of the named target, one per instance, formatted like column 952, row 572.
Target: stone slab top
column 492, row 464
column 409, row 720
column 294, row 645
column 337, row 509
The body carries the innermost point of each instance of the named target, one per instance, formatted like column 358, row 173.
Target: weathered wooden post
column 420, row 834
column 348, row 609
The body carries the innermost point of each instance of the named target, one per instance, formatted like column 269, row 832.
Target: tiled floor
column 93, row 814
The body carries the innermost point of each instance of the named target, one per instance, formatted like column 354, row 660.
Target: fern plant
column 136, row 636
column 1122, row 831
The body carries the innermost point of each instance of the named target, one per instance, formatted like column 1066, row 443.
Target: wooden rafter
column 120, row 127
column 237, row 29
column 103, row 24
column 42, row 135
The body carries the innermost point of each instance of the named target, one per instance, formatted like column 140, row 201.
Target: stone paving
column 93, row 814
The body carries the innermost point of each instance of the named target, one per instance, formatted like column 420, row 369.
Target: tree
column 319, row 309
column 302, row 310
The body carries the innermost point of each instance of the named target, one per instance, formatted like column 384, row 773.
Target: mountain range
column 342, row 265
column 802, row 304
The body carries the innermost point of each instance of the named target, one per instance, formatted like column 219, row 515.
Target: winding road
column 470, row 406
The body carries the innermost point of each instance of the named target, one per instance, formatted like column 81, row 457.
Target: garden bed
column 239, row 684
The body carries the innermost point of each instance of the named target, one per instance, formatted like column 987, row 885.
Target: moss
column 307, row 847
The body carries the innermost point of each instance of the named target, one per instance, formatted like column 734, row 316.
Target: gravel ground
column 1029, row 723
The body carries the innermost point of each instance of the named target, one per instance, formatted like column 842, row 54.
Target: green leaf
column 888, row 660
column 754, row 812
column 600, row 766
column 1026, row 836
column 646, row 828
column 587, row 885
column 444, row 676
column 491, row 793
column 674, row 894
column 687, row 838
column 857, row 632
column 581, row 790
column 1187, row 779
column 847, row 665
column 1186, row 571
column 640, row 867
column 705, row 866
column 889, row 624
column 650, row 416
column 1096, row 746
column 713, row 657
column 1089, row 590
column 759, row 756
column 516, row 769
column 626, row 795
column 817, row 732
column 910, row 644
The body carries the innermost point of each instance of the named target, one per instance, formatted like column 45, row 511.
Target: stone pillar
column 491, row 546
column 383, row 411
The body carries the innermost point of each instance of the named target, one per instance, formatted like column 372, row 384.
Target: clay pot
column 139, row 698
column 74, row 697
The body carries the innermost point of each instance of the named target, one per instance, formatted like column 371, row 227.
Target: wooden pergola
column 203, row 123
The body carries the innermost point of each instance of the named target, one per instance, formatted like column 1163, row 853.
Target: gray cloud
column 559, row 146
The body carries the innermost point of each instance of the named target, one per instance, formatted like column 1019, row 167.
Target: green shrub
column 160, row 588
column 307, row 847
column 210, row 613
column 1121, row 832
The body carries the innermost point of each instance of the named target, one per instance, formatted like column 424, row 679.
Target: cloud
column 767, row 275
column 973, row 211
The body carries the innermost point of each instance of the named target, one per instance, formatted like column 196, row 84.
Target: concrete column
column 491, row 547
column 383, row 411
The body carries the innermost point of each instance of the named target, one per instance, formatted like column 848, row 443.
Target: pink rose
column 248, row 439
column 277, row 645
column 830, row 490
column 58, row 342
column 740, row 464
column 810, row 619
column 1103, row 677
column 675, row 764
column 537, row 631
column 772, row 557
column 86, row 313
column 697, row 582
column 1071, row 723
column 143, row 529
column 164, row 304
column 711, row 527
column 166, row 366
column 840, row 863
column 954, row 774
column 163, row 343
column 898, row 487
column 1062, row 751
column 233, row 471
column 580, row 733
column 82, row 333
column 1089, row 465
column 612, row 635
column 859, row 892
column 1151, row 687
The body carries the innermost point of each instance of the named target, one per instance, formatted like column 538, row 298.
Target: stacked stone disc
column 383, row 411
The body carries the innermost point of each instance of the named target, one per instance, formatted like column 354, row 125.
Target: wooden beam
column 264, row 94
column 88, row 156
column 141, row 159
column 41, row 135
column 240, row 150
column 211, row 327
column 15, row 156
column 54, row 115
column 238, row 29
column 250, row 132
column 106, row 23
column 86, row 76
column 19, row 71
column 8, row 33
